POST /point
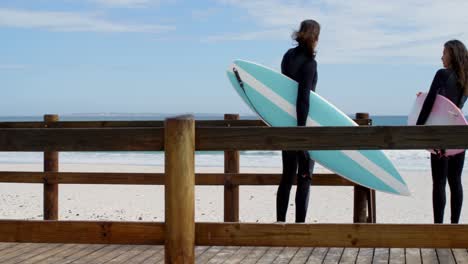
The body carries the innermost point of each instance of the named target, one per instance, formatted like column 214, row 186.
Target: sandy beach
column 257, row 203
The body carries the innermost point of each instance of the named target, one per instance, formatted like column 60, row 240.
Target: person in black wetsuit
column 451, row 82
column 299, row 64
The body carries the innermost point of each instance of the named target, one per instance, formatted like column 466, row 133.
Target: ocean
column 403, row 159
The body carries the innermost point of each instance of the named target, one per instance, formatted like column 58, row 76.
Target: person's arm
column 306, row 84
column 437, row 83
column 283, row 65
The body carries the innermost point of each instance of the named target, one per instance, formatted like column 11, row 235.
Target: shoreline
column 414, row 160
column 257, row 203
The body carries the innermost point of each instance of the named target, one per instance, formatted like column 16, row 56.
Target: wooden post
column 360, row 192
column 231, row 191
column 371, row 209
column 51, row 164
column 179, row 146
column 371, row 218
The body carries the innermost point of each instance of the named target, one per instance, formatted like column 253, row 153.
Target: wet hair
column 307, row 35
column 458, row 62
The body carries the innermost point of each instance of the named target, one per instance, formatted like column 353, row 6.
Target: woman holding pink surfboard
column 452, row 83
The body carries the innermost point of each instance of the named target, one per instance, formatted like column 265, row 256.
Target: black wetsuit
column 301, row 67
column 443, row 168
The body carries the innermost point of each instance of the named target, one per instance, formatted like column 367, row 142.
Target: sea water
column 402, row 159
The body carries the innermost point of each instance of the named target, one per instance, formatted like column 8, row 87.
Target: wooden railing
column 364, row 205
column 180, row 137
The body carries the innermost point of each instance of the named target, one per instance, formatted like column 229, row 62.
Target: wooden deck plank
column 208, row 254
column 18, row 251
column 14, row 248
column 413, row 255
column 239, row 255
column 83, row 252
column 223, row 254
column 200, row 249
column 30, row 254
column 160, row 256
column 397, row 256
column 381, row 256
column 349, row 256
column 286, row 255
column 461, row 255
column 271, row 254
column 333, row 255
column 9, row 248
column 91, row 258
column 127, row 256
column 6, row 245
column 365, row 255
column 68, row 255
column 148, row 253
column 155, row 258
column 255, row 255
column 445, row 256
column 48, row 254
column 110, row 255
column 429, row 256
column 302, row 255
column 318, row 255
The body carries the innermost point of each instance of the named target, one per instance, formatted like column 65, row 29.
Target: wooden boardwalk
column 179, row 137
column 87, row 254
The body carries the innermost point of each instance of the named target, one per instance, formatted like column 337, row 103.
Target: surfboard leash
column 241, row 84
column 239, row 80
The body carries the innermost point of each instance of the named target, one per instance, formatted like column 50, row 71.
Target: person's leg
column 455, row 168
column 439, row 180
column 287, row 178
column 306, row 169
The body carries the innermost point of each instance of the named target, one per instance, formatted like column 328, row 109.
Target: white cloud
column 264, row 34
column 361, row 29
column 71, row 22
column 12, row 67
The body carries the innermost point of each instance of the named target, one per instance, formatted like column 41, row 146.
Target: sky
column 171, row 56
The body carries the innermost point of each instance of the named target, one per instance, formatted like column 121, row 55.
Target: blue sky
column 150, row 56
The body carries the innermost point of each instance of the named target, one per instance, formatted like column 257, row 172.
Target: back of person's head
column 307, row 35
column 458, row 62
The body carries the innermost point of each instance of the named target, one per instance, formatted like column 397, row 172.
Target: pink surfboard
column 444, row 112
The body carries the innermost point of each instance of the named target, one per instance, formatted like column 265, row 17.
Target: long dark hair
column 458, row 62
column 307, row 35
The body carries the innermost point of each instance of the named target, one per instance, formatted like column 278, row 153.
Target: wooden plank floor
column 12, row 253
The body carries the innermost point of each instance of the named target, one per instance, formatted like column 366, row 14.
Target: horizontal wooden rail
column 158, row 178
column 87, row 232
column 240, row 234
column 115, row 124
column 237, row 138
column 332, row 138
column 127, row 124
column 81, row 139
column 333, row 235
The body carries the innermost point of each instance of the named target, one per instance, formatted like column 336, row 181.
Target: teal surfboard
column 273, row 95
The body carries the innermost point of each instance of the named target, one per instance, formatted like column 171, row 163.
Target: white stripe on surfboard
column 388, row 179
column 316, row 94
column 272, row 96
column 356, row 156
